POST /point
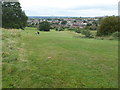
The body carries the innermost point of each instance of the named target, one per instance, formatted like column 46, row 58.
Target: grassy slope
column 74, row 62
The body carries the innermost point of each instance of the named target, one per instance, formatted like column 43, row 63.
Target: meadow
column 57, row 60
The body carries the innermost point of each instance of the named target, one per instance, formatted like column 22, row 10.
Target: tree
column 44, row 26
column 87, row 33
column 108, row 25
column 84, row 21
column 13, row 16
column 64, row 22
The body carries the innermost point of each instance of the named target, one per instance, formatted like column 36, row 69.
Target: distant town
column 66, row 22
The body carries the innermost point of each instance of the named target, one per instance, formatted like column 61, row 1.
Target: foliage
column 78, row 30
column 44, row 26
column 64, row 22
column 84, row 21
column 116, row 35
column 56, row 29
column 71, row 29
column 89, row 24
column 13, row 16
column 93, row 27
column 87, row 33
column 32, row 24
column 60, row 28
column 108, row 25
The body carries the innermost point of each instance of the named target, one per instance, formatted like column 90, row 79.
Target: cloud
column 70, row 7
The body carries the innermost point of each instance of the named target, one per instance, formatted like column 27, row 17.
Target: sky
column 77, row 8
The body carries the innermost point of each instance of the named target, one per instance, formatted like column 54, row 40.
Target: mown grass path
column 59, row 60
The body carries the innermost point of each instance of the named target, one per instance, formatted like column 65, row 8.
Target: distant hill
column 45, row 17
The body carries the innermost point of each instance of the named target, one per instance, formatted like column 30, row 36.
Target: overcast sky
column 84, row 8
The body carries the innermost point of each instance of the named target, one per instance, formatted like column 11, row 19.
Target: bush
column 56, row 29
column 61, row 29
column 108, row 25
column 78, row 30
column 44, row 26
column 87, row 33
column 71, row 29
column 116, row 35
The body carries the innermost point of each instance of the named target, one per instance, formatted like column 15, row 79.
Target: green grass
column 73, row 63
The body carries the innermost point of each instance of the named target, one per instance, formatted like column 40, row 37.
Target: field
column 58, row 60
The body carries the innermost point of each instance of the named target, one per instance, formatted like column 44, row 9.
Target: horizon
column 72, row 16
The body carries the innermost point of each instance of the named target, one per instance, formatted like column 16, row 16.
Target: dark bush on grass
column 56, row 29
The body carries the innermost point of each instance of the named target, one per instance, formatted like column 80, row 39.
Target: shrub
column 56, row 29
column 87, row 33
column 108, row 25
column 78, row 30
column 44, row 26
column 61, row 29
column 116, row 35
column 64, row 22
column 71, row 29
column 111, row 38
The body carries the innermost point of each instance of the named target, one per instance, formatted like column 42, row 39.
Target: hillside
column 58, row 60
